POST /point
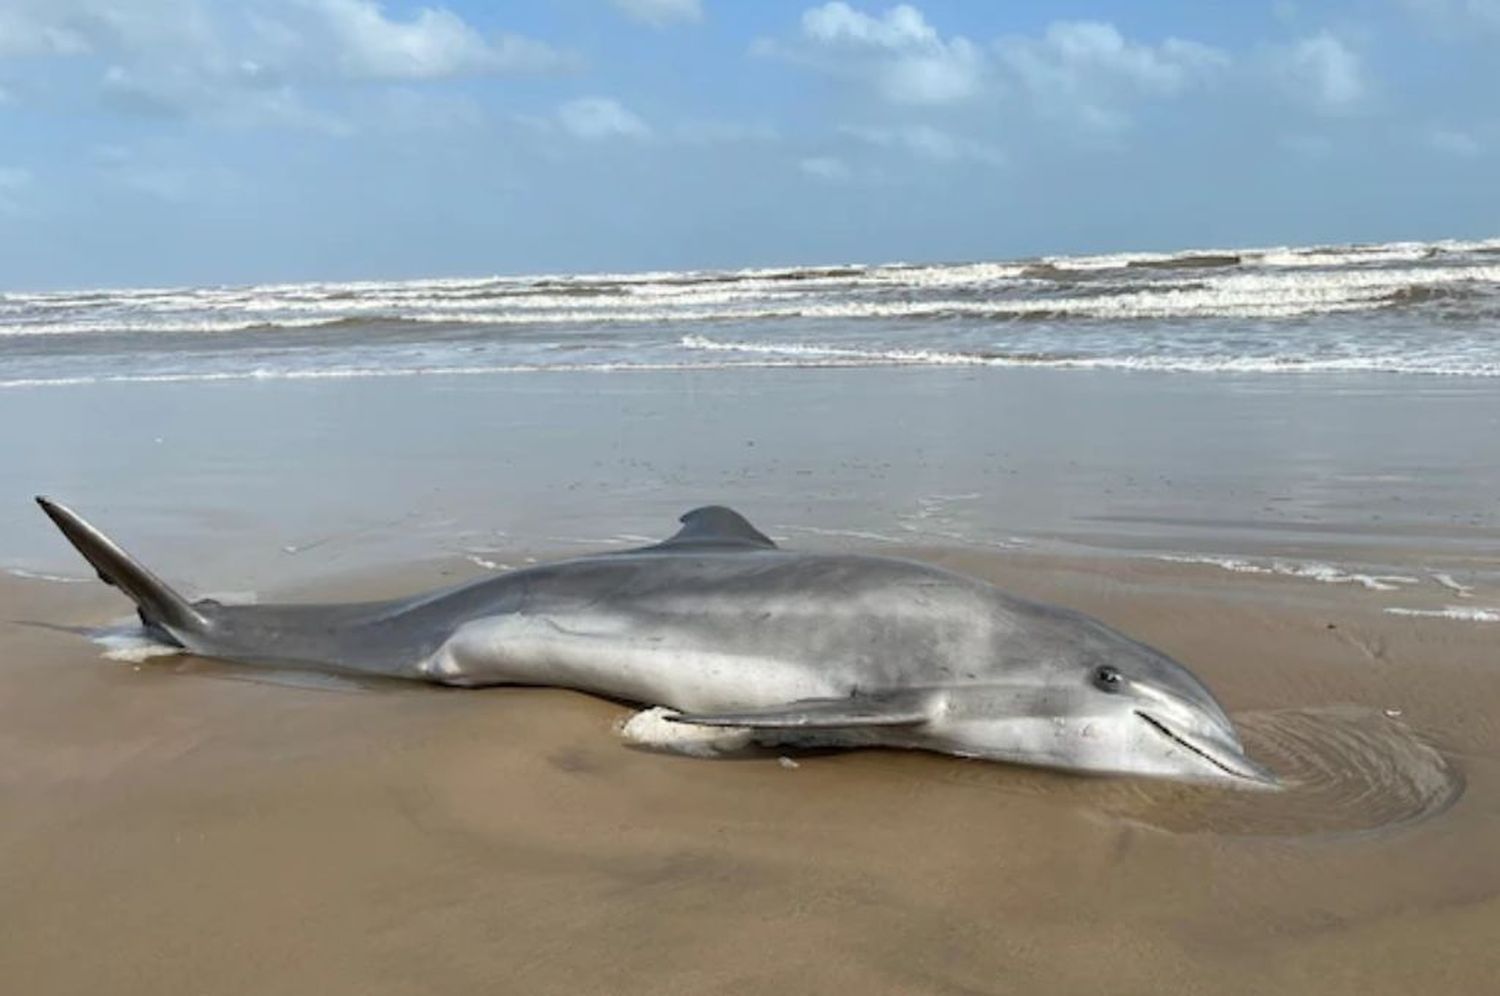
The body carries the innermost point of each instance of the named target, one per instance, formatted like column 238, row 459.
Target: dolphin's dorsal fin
column 715, row 527
column 893, row 709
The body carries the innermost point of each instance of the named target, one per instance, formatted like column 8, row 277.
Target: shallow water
column 244, row 485
column 1344, row 770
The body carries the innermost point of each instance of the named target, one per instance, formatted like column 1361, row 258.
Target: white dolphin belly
column 610, row 654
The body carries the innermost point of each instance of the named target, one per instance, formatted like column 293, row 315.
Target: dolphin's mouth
column 1225, row 757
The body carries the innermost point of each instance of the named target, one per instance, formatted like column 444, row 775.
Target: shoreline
column 265, row 476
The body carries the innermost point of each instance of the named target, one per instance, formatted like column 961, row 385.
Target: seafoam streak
column 1326, row 573
column 1463, row 613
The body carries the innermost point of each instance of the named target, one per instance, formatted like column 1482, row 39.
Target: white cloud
column 1072, row 53
column 927, row 142
column 933, row 79
column 659, row 13
column 899, row 28
column 825, row 168
column 898, row 52
column 249, row 64
column 78, row 27
column 596, row 118
column 1088, row 70
column 435, row 43
column 1322, row 70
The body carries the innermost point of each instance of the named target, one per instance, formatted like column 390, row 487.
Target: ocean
column 1411, row 308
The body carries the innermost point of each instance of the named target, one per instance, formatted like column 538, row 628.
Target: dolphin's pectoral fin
column 896, row 709
column 713, row 527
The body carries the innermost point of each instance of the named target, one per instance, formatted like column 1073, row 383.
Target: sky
column 169, row 142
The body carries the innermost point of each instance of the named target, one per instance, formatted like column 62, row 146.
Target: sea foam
column 1463, row 613
column 1326, row 573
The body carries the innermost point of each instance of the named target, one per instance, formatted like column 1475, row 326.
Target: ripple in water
column 1345, row 770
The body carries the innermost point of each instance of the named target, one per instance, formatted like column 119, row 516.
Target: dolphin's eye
column 1108, row 679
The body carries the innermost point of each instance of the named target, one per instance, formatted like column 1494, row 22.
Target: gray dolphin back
column 388, row 638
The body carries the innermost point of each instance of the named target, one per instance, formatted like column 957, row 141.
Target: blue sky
column 196, row 141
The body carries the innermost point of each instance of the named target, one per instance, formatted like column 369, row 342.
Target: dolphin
column 717, row 627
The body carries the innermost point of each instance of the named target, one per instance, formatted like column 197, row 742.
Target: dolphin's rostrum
column 727, row 630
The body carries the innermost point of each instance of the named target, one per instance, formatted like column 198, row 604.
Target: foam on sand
column 652, row 729
column 131, row 644
column 1448, row 581
column 30, row 575
column 1463, row 613
column 1326, row 573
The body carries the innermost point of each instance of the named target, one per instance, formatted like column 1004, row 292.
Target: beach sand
column 178, row 825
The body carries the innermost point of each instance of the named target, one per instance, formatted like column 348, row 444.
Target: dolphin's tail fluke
column 162, row 609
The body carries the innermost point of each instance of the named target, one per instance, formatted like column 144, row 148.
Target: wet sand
column 181, row 825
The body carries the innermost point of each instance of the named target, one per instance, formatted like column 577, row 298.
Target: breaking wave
column 1423, row 308
column 1130, row 287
